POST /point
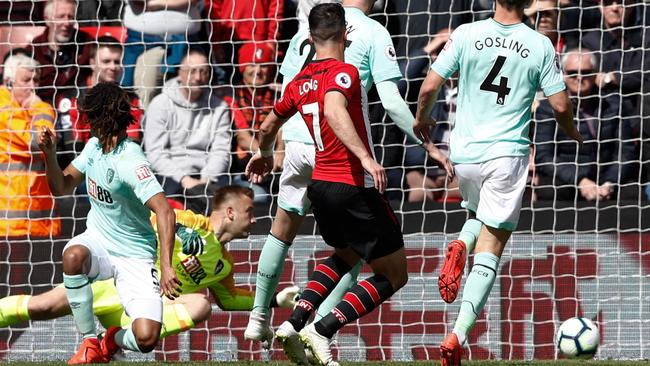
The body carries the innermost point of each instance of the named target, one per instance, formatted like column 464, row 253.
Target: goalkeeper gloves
column 191, row 241
column 286, row 298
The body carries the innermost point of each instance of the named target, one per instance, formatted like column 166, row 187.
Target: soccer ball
column 578, row 338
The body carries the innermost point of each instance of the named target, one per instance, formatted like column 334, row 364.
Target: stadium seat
column 114, row 31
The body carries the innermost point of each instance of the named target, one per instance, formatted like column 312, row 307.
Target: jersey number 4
column 502, row 88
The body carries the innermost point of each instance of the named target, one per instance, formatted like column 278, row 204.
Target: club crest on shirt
column 143, row 172
column 65, row 105
column 110, row 174
column 343, row 80
column 390, row 53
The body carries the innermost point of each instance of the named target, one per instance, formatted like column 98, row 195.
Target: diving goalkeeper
column 200, row 259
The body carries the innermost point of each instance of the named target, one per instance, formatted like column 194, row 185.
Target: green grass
column 383, row 363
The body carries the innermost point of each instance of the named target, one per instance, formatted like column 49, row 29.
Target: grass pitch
column 378, row 363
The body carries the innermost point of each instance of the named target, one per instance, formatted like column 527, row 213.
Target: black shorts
column 355, row 217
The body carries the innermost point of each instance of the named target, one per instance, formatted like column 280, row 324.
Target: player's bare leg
column 184, row 313
column 179, row 315
column 48, row 305
column 390, row 275
column 489, row 248
column 76, row 266
column 458, row 250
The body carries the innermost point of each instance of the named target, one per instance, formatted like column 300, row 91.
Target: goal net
column 582, row 247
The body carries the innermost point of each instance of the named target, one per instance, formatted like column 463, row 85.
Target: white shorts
column 136, row 280
column 494, row 189
column 296, row 175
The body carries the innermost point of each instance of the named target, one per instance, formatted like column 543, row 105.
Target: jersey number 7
column 488, row 84
column 312, row 108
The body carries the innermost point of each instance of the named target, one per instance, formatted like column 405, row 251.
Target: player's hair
column 48, row 10
column 327, row 22
column 105, row 41
column 194, row 51
column 16, row 61
column 108, row 109
column 582, row 52
column 514, row 4
column 225, row 194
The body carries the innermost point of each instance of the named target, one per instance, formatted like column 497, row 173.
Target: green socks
column 269, row 269
column 334, row 298
column 14, row 309
column 80, row 298
column 126, row 340
column 469, row 234
column 475, row 293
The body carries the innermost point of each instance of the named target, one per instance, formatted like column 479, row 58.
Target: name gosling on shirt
column 505, row 43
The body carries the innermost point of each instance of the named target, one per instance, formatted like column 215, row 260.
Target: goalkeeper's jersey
column 212, row 269
column 500, row 68
column 369, row 48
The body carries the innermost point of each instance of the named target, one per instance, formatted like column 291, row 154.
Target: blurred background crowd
column 203, row 74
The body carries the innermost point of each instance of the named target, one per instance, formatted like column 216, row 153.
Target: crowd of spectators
column 203, row 75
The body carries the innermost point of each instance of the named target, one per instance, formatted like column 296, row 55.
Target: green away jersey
column 500, row 68
column 369, row 48
column 212, row 269
column 119, row 184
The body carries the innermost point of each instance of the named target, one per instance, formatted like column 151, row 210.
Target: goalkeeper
column 200, row 259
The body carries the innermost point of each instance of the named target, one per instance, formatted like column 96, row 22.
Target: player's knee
column 399, row 280
column 198, row 307
column 205, row 310
column 75, row 259
column 147, row 342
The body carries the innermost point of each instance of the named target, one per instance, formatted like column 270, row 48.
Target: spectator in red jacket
column 73, row 128
column 252, row 100
column 62, row 51
column 233, row 22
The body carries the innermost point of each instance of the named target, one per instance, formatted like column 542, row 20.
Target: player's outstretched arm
column 400, row 113
column 396, row 107
column 166, row 225
column 262, row 162
column 60, row 182
column 341, row 123
column 563, row 110
column 426, row 100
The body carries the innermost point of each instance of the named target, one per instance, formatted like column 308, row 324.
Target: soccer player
column 502, row 63
column 346, row 190
column 201, row 262
column 119, row 241
column 369, row 48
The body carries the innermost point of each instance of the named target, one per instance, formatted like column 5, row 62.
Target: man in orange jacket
column 26, row 204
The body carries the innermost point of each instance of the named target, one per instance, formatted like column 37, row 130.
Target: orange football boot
column 451, row 273
column 450, row 351
column 89, row 352
column 109, row 347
